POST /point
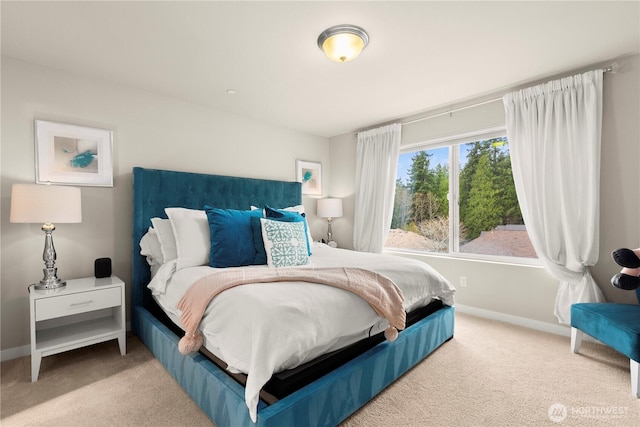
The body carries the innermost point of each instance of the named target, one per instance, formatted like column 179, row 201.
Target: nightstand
column 86, row 311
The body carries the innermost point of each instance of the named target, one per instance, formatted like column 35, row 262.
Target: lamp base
column 50, row 281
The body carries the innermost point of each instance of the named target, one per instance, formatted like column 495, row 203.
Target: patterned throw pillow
column 285, row 243
column 292, row 215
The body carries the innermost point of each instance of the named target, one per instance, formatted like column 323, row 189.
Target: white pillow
column 164, row 231
column 161, row 276
column 191, row 231
column 150, row 247
column 284, row 242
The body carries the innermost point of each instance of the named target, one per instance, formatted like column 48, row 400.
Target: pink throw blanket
column 379, row 291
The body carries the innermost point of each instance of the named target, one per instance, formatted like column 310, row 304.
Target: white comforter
column 261, row 329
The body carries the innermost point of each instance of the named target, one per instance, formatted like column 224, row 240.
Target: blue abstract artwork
column 307, row 176
column 82, row 160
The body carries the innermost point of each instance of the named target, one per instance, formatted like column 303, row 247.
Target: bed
column 370, row 366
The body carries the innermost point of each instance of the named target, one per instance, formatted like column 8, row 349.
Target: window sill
column 503, row 260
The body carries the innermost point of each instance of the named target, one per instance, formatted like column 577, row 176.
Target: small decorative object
column 310, row 175
column 102, row 268
column 70, row 154
column 46, row 204
column 330, row 208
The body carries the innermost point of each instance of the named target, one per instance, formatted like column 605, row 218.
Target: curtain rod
column 613, row 68
column 455, row 110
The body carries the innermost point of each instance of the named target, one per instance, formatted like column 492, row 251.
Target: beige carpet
column 490, row 374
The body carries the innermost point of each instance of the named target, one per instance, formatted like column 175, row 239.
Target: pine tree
column 420, row 178
column 511, row 213
column 486, row 190
column 484, row 211
column 401, row 206
column 421, row 183
column 442, row 189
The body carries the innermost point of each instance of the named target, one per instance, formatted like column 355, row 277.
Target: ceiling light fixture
column 343, row 43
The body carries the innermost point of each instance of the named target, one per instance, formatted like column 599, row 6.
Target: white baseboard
column 557, row 329
column 25, row 350
column 14, row 353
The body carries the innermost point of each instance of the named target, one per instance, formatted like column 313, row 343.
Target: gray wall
column 528, row 292
column 149, row 131
column 160, row 132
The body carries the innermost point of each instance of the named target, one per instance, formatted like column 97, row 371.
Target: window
column 457, row 196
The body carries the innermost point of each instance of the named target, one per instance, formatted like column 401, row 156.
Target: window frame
column 453, row 142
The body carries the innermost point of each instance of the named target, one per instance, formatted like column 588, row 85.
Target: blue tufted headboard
column 154, row 190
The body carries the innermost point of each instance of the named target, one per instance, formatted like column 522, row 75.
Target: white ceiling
column 422, row 54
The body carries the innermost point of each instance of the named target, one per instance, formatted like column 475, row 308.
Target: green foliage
column 487, row 192
column 425, row 206
column 428, row 188
column 421, row 179
column 486, row 189
column 412, row 227
column 482, row 209
column 401, row 206
column 442, row 189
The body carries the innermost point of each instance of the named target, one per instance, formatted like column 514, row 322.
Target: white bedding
column 261, row 329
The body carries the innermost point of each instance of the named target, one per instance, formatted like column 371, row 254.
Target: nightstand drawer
column 66, row 305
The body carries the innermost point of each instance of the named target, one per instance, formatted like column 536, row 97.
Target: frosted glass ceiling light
column 343, row 43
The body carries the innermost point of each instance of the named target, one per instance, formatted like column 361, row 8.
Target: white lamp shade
column 329, row 208
column 45, row 204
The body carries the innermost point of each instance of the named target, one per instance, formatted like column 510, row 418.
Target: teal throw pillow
column 231, row 237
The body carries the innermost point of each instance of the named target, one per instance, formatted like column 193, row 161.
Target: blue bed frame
column 325, row 402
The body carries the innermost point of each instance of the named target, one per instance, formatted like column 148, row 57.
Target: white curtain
column 554, row 133
column 376, row 165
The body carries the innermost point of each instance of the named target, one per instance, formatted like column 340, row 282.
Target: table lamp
column 329, row 208
column 46, row 204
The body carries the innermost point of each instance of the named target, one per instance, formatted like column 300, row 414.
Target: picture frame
column 73, row 155
column 310, row 175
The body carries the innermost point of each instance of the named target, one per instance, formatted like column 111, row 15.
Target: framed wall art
column 74, row 155
column 310, row 175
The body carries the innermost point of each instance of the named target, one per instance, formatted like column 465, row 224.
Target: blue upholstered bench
column 616, row 325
